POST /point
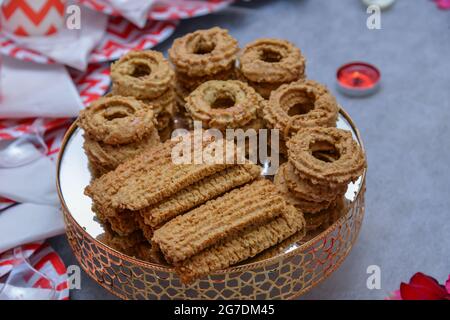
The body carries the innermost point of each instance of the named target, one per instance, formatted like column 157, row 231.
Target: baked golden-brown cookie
column 116, row 120
column 349, row 163
column 305, row 206
column 204, row 52
column 142, row 74
column 271, row 61
column 106, row 157
column 224, row 104
column 298, row 105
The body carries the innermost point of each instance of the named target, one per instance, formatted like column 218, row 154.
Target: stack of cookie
column 321, row 164
column 227, row 230
column 152, row 188
column 197, row 215
column 116, row 129
column 179, row 205
column 297, row 105
column 201, row 56
column 147, row 76
column 266, row 64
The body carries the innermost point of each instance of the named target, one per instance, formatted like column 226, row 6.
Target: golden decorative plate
column 298, row 267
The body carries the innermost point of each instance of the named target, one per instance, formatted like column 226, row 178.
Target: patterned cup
column 32, row 17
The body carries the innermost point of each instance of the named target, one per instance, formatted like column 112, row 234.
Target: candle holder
column 358, row 79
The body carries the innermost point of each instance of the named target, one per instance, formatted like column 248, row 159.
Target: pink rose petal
column 447, row 284
column 443, row 4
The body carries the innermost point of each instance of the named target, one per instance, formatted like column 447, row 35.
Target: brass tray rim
column 248, row 266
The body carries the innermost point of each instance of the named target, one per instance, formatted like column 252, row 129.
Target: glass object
column 358, row 79
column 23, row 150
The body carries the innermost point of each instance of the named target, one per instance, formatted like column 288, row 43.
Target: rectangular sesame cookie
column 188, row 234
column 200, row 192
column 241, row 247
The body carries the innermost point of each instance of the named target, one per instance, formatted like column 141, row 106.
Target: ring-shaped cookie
column 116, row 120
column 303, row 205
column 164, row 108
column 204, row 52
column 306, row 190
column 108, row 156
column 223, row 104
column 300, row 104
column 349, row 162
column 272, row 61
column 142, row 74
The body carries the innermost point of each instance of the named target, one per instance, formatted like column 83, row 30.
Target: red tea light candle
column 358, row 79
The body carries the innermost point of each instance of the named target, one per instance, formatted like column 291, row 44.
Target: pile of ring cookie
column 321, row 163
column 150, row 206
column 137, row 113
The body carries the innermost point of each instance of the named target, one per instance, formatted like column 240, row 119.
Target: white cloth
column 24, row 223
column 70, row 47
column 34, row 182
column 37, row 215
column 136, row 11
column 30, row 89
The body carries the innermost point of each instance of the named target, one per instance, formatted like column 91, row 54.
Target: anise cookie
column 325, row 218
column 190, row 83
column 116, row 120
column 202, row 56
column 247, row 244
column 151, row 188
column 349, row 159
column 147, row 76
column 227, row 230
column 224, row 104
column 267, row 63
column 142, row 74
column 106, row 157
column 298, row 105
column 164, row 107
column 305, row 206
column 116, row 129
column 304, row 189
column 204, row 52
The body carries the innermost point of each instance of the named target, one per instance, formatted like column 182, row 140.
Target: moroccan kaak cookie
column 234, row 227
column 204, row 52
column 268, row 63
column 224, row 104
column 116, row 120
column 149, row 77
column 298, row 105
column 116, row 129
column 163, row 202
column 142, row 74
column 348, row 159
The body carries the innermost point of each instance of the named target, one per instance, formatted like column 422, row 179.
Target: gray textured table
column 405, row 128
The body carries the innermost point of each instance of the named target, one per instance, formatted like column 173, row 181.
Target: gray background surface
column 405, row 128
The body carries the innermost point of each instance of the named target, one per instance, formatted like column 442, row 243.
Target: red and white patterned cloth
column 121, row 36
column 43, row 259
column 164, row 10
column 32, row 17
column 93, row 83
